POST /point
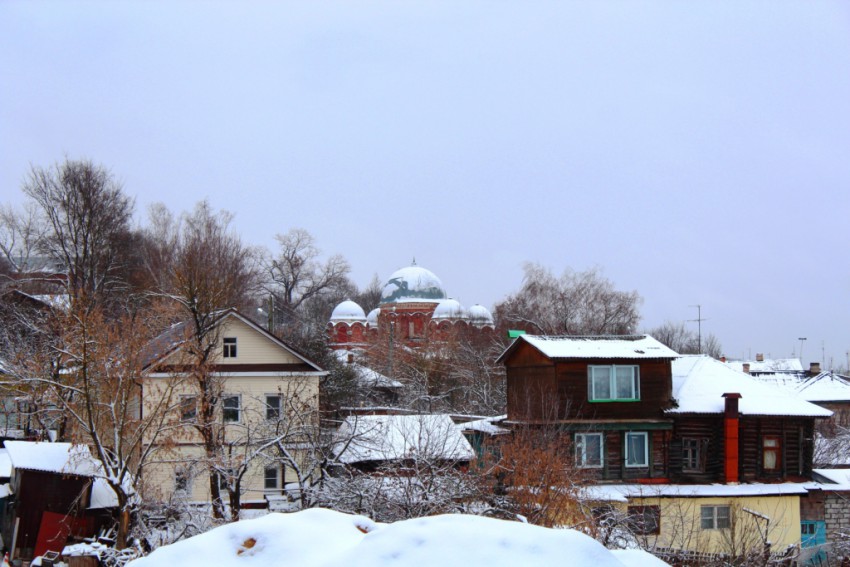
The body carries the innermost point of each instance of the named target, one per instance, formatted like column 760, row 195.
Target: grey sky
column 699, row 152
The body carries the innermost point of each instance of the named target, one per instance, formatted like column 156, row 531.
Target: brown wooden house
column 638, row 412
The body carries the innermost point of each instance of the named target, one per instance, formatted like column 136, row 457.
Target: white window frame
column 266, row 477
column 627, row 453
column 612, row 383
column 714, row 517
column 279, row 407
column 229, row 347
column 238, row 408
column 581, row 450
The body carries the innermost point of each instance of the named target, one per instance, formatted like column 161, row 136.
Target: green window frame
column 613, row 383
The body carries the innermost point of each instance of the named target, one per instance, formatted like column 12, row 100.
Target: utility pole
column 698, row 321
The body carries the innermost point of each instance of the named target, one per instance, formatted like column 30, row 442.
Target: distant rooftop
column 595, row 346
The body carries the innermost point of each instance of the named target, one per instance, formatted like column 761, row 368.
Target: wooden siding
column 794, row 433
column 542, row 389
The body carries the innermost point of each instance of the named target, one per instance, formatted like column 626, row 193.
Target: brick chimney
column 814, row 368
column 722, row 359
column 746, row 368
column 730, row 438
column 760, row 357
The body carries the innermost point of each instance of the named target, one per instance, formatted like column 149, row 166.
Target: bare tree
column 685, row 341
column 295, row 274
column 21, row 232
column 211, row 271
column 87, row 216
column 577, row 303
column 91, row 376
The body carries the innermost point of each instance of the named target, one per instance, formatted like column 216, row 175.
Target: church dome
column 450, row 309
column 413, row 283
column 372, row 317
column 348, row 312
column 480, row 316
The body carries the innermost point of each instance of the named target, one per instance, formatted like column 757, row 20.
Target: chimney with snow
column 746, row 368
column 760, row 357
column 730, row 438
column 814, row 368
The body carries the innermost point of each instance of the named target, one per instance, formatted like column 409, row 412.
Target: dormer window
column 615, row 383
column 229, row 347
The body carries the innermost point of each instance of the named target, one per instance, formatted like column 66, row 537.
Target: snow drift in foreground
column 323, row 538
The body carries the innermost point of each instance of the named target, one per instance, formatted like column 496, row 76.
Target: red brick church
column 414, row 310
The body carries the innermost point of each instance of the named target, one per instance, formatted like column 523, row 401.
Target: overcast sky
column 698, row 152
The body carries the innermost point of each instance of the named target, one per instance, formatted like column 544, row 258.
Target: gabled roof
column 398, row 437
column 63, row 458
column 173, row 338
column 700, row 381
column 825, row 387
column 635, row 347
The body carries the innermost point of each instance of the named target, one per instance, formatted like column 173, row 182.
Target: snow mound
column 324, row 538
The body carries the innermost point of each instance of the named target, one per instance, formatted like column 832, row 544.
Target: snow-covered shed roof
column 634, row 347
column 394, row 437
column 839, row 477
column 700, row 381
column 486, row 425
column 64, row 458
column 825, row 387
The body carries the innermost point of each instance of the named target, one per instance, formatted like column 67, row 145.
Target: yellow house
column 709, row 519
column 266, row 400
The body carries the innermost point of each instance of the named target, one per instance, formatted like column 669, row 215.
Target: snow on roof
column 5, row 490
column 413, row 284
column 623, row 492
column 637, row 558
column 5, row 464
column 394, row 437
column 840, row 477
column 52, row 457
column 324, row 538
column 366, row 377
column 700, row 381
column 767, row 365
column 486, row 425
column 825, row 387
column 102, row 495
column 608, row 346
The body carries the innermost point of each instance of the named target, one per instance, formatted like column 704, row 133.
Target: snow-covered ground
column 326, row 538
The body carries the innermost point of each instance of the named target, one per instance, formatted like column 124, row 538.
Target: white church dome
column 372, row 317
column 450, row 309
column 480, row 316
column 413, row 283
column 348, row 312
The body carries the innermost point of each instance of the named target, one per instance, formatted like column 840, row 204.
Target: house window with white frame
column 231, row 406
column 229, row 347
column 614, row 383
column 271, row 478
column 637, row 449
column 273, row 407
column 588, row 449
column 714, row 517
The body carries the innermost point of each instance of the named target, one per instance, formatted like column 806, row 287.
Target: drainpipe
column 730, row 438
